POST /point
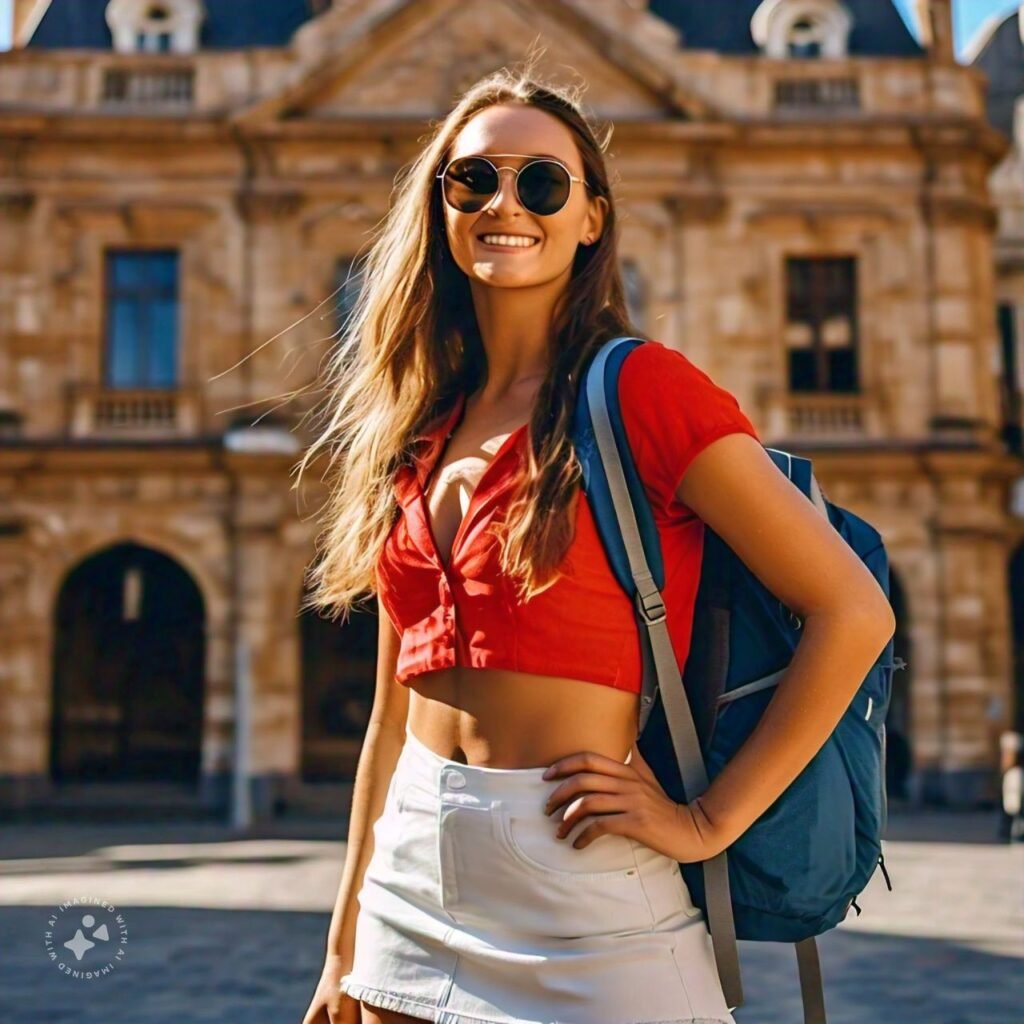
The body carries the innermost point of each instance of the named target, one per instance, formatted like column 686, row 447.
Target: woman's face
column 532, row 133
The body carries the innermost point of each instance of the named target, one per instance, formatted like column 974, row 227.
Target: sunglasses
column 542, row 184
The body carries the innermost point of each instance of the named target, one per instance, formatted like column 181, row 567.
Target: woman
column 510, row 855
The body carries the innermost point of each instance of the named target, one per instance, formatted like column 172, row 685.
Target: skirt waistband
column 439, row 775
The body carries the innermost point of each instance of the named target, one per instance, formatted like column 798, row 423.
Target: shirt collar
column 429, row 445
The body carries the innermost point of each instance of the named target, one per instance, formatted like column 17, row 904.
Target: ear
column 593, row 223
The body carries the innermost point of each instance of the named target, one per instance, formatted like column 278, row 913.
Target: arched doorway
column 338, row 672
column 128, row 670
column 899, row 758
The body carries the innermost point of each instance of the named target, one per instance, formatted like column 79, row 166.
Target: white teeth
column 520, row 241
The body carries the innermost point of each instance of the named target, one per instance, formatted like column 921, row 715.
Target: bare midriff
column 501, row 719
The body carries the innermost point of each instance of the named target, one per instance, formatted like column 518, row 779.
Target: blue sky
column 969, row 15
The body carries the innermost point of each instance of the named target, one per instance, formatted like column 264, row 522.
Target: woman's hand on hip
column 626, row 799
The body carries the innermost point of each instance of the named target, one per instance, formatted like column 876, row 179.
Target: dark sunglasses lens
column 469, row 183
column 543, row 187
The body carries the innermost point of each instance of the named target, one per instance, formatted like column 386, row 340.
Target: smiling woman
column 476, row 887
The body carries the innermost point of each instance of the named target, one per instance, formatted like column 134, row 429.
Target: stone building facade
column 806, row 212
column 998, row 51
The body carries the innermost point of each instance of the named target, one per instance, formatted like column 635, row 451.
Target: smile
column 508, row 241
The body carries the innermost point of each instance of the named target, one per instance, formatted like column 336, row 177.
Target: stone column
column 263, row 608
column 972, row 659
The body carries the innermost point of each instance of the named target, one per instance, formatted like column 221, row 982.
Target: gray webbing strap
column 667, row 680
column 817, row 496
column 818, row 499
column 747, row 688
column 811, row 989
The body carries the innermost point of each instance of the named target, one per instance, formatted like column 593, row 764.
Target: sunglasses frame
column 516, row 171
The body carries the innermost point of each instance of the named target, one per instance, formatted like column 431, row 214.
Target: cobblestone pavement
column 221, row 927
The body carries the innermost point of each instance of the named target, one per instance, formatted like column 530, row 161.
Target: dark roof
column 724, row 25
column 229, row 24
column 1001, row 57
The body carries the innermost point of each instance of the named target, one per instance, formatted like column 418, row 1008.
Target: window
column 1009, row 383
column 821, row 323
column 155, row 38
column 155, row 26
column 801, row 29
column 806, row 38
column 153, row 42
column 142, row 319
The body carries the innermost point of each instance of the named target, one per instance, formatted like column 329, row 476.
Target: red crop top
column 583, row 626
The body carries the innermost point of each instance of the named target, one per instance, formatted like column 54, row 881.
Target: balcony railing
column 821, row 417
column 150, row 88
column 100, row 412
column 806, row 95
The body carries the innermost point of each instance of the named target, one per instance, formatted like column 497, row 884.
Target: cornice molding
column 265, row 206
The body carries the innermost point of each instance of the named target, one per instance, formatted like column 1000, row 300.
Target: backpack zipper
column 881, row 864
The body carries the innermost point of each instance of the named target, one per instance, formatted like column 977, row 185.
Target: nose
column 506, row 189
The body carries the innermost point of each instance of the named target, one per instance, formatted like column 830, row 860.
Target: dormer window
column 155, row 26
column 154, row 42
column 154, row 35
column 801, row 29
column 805, row 38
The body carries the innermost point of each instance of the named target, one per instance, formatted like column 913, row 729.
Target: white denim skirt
column 471, row 910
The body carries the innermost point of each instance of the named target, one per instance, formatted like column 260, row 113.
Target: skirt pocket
column 608, row 860
column 549, row 890
column 530, row 838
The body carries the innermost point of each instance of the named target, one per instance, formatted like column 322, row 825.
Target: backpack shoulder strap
column 627, row 529
column 651, row 610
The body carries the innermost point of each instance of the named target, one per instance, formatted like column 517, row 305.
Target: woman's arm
column 382, row 745
column 738, row 491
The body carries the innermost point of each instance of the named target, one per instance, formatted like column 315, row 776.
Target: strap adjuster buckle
column 651, row 607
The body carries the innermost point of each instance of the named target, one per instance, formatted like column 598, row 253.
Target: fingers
column 584, row 781
column 587, row 761
column 605, row 804
column 603, row 824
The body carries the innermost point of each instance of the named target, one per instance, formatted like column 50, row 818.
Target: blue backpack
column 796, row 871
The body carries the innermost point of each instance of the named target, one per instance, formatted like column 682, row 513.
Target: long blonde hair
column 411, row 344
